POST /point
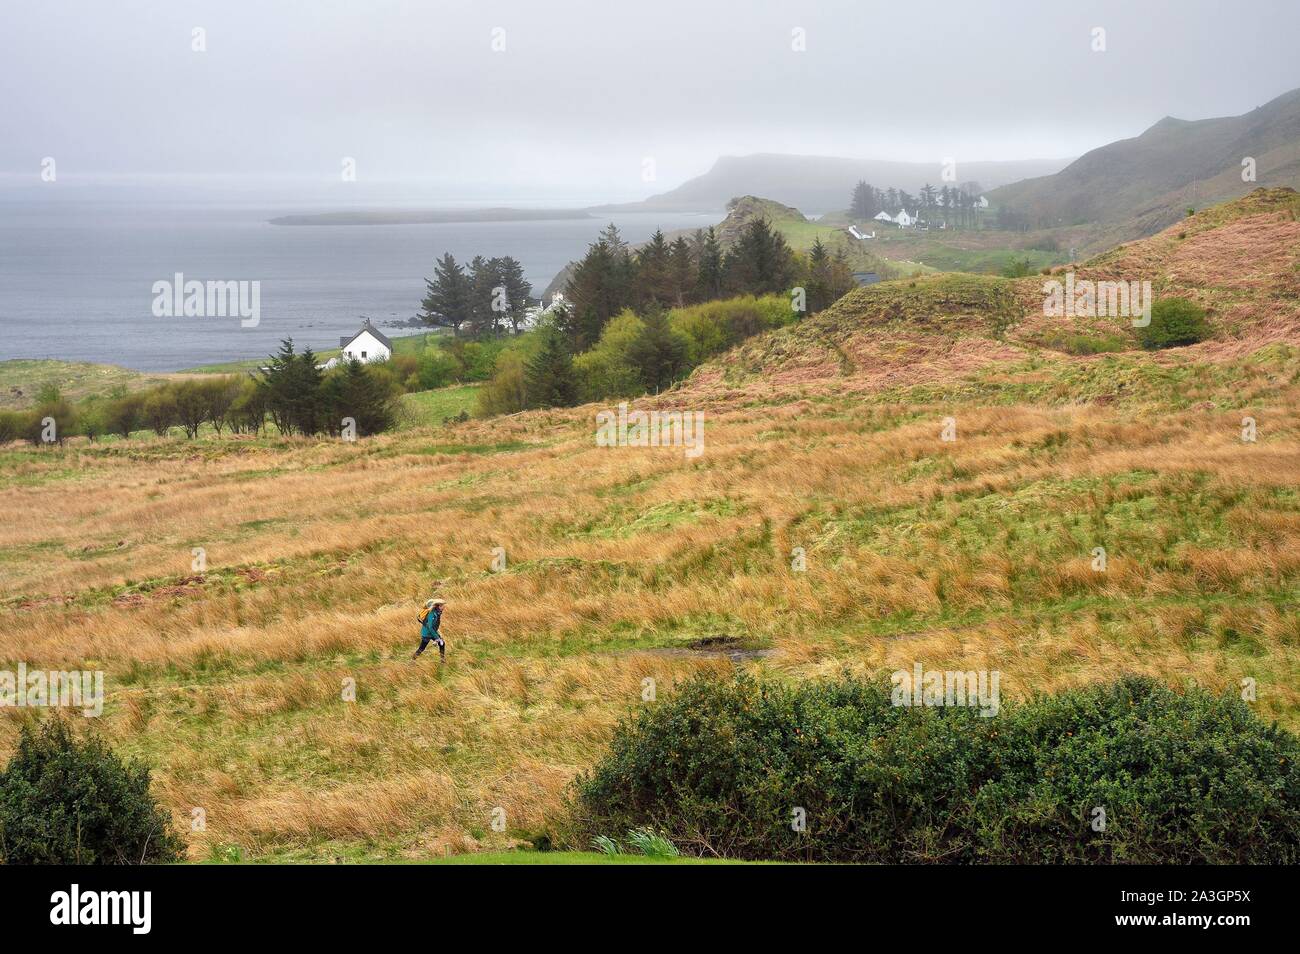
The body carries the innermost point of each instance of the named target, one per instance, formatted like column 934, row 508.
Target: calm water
column 76, row 278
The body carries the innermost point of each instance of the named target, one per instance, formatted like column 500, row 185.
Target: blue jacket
column 430, row 628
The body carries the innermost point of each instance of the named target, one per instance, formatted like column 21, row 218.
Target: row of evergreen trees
column 957, row 206
column 301, row 398
column 485, row 302
column 659, row 275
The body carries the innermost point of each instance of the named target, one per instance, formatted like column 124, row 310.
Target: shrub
column 247, row 412
column 125, row 414
column 12, row 426
column 713, row 327
column 59, row 411
column 92, row 418
column 1174, row 322
column 437, row 368
column 159, row 410
column 721, row 767
column 68, row 802
column 1016, row 268
column 507, row 392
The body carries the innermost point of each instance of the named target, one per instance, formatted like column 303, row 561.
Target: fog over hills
column 819, row 184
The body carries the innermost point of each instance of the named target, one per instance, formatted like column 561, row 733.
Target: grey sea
column 77, row 277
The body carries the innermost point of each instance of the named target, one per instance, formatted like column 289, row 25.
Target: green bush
column 1016, row 268
column 68, row 802
column 722, row 767
column 713, row 327
column 1174, row 322
column 437, row 368
column 606, row 369
column 13, row 424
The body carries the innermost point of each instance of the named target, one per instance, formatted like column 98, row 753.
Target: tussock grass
column 974, row 554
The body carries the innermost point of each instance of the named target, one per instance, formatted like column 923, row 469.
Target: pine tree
column 357, row 392
column 760, row 263
column 681, row 271
column 486, row 297
column 548, row 375
column 447, row 302
column 274, row 383
column 708, row 257
column 659, row 353
column 818, row 288
column 305, row 396
column 654, row 284
column 861, row 205
column 600, row 287
column 518, row 290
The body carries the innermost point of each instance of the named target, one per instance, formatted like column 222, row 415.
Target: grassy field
column 971, row 554
column 275, row 689
column 21, row 378
column 431, row 407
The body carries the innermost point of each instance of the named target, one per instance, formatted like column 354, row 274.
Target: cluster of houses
column 906, row 220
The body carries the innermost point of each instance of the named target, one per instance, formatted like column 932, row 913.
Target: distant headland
column 429, row 216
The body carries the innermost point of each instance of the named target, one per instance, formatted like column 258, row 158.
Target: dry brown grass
column 230, row 681
column 966, row 555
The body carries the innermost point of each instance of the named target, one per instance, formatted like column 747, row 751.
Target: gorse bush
column 68, row 802
column 723, row 766
column 1174, row 322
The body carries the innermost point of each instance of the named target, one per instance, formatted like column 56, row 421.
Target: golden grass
column 966, row 555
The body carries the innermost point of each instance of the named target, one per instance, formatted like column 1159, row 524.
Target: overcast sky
column 583, row 92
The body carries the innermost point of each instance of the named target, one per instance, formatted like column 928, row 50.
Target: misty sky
column 584, row 91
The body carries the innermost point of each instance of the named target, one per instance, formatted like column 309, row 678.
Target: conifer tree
column 447, row 301
column 548, row 375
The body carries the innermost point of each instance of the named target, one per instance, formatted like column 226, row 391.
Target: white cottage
column 368, row 344
column 904, row 220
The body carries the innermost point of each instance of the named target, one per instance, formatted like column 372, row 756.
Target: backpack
column 424, row 614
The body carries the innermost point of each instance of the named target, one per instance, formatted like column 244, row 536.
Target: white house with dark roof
column 368, row 344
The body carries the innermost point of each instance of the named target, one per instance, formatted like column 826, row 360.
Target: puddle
column 711, row 647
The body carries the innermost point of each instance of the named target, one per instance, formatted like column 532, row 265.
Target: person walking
column 430, row 620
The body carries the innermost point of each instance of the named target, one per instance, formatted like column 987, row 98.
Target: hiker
column 429, row 621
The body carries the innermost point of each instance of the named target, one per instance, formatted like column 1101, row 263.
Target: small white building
column 904, row 220
column 883, row 216
column 853, row 230
column 367, row 345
